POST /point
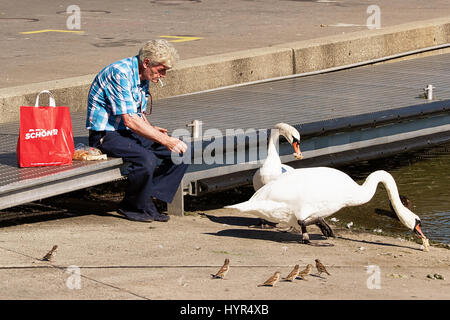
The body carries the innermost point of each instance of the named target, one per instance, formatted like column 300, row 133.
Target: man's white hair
column 159, row 51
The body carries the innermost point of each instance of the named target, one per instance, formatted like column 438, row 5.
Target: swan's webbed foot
column 287, row 229
column 263, row 224
column 306, row 241
column 305, row 236
column 325, row 228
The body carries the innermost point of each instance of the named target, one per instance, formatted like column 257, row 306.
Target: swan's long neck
column 369, row 188
column 273, row 157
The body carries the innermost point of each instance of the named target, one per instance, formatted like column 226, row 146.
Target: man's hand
column 175, row 145
column 142, row 127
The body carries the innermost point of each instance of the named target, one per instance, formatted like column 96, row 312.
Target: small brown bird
column 49, row 254
column 320, row 267
column 302, row 274
column 223, row 271
column 293, row 274
column 271, row 281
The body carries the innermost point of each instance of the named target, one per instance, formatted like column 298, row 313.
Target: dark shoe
column 155, row 215
column 135, row 216
column 160, row 217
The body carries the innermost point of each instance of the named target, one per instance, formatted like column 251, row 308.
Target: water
column 423, row 176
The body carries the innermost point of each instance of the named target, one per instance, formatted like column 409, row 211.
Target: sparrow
column 223, row 271
column 271, row 281
column 49, row 254
column 302, row 274
column 293, row 274
column 320, row 267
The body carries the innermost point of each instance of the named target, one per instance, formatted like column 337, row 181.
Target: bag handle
column 51, row 99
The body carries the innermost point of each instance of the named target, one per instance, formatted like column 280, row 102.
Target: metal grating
column 313, row 98
column 14, row 178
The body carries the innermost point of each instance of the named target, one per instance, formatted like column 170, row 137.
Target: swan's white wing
column 261, row 178
column 311, row 183
column 310, row 191
column 266, row 209
column 262, row 205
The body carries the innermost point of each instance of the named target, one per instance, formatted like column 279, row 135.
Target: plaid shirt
column 116, row 90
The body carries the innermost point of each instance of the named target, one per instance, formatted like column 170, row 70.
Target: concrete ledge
column 250, row 65
column 226, row 69
column 346, row 49
column 68, row 92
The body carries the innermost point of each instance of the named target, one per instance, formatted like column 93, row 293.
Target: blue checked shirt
column 116, row 90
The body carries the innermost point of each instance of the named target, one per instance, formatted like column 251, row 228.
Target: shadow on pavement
column 271, row 235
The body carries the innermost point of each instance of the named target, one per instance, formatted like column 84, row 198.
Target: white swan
column 306, row 196
column 272, row 167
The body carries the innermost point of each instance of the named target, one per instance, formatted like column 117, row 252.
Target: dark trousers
column 151, row 171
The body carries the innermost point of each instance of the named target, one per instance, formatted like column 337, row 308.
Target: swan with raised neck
column 272, row 167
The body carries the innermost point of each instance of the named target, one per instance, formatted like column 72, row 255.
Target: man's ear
column 146, row 63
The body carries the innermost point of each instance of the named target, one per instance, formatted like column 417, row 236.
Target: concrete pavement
column 116, row 29
column 243, row 41
column 106, row 257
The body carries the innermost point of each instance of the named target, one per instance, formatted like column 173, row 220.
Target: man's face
column 153, row 73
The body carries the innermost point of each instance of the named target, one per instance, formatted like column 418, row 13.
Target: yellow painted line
column 181, row 39
column 50, row 30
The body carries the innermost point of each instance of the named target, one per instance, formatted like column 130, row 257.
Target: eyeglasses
column 162, row 70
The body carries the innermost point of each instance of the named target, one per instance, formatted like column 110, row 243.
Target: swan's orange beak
column 418, row 230
column 298, row 152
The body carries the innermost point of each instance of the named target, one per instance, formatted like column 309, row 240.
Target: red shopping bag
column 45, row 135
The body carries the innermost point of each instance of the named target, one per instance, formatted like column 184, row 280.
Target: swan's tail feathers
column 259, row 207
column 241, row 207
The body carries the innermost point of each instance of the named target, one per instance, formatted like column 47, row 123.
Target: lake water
column 423, row 176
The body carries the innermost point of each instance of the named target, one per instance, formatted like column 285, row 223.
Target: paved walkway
column 102, row 256
column 115, row 29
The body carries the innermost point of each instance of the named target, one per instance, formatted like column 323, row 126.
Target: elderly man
column 117, row 101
